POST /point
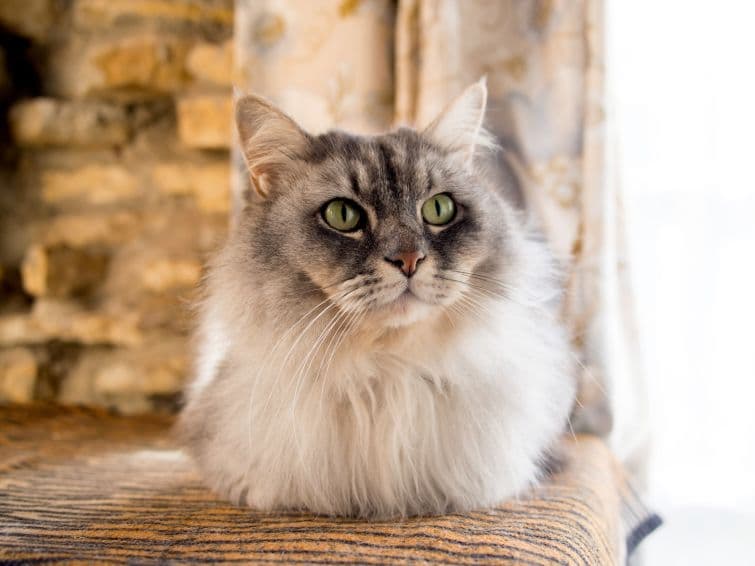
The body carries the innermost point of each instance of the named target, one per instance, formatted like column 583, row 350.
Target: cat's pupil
column 343, row 212
column 437, row 207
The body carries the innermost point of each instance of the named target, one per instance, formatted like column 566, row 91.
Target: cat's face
column 390, row 227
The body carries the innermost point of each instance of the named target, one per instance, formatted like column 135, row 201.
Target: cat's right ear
column 270, row 140
column 458, row 129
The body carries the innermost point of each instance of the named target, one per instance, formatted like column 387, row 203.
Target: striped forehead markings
column 388, row 170
column 385, row 167
column 354, row 181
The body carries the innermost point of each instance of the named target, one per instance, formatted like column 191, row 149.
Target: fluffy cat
column 375, row 339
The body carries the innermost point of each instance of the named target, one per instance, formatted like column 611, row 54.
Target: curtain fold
column 366, row 65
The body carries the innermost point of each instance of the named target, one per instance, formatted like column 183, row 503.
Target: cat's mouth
column 405, row 309
column 406, row 297
column 406, row 301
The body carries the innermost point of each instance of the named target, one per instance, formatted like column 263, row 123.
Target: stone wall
column 114, row 185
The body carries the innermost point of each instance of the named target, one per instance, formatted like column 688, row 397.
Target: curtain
column 371, row 64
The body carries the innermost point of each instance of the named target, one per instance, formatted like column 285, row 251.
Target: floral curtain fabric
column 371, row 64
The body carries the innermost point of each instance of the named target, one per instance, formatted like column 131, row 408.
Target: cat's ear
column 458, row 129
column 270, row 140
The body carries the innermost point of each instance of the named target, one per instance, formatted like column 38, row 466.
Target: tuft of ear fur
column 270, row 140
column 458, row 129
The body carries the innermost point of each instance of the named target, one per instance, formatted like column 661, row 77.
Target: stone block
column 144, row 64
column 204, row 121
column 211, row 63
column 203, row 14
column 89, row 184
column 59, row 271
column 17, row 329
column 208, row 183
column 30, row 18
column 68, row 322
column 18, row 375
column 163, row 274
column 107, row 376
column 65, row 321
column 159, row 370
column 80, row 230
column 52, row 122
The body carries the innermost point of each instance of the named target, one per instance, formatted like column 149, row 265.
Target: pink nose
column 406, row 261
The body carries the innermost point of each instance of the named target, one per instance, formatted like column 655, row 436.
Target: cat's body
column 400, row 366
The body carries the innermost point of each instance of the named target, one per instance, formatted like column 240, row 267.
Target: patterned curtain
column 368, row 65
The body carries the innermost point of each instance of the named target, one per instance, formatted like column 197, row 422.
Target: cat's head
column 396, row 226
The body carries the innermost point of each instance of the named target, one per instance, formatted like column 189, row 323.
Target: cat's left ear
column 458, row 129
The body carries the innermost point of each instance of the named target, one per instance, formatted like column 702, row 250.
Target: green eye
column 439, row 209
column 342, row 215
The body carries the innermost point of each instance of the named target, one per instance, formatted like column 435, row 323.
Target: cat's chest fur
column 427, row 419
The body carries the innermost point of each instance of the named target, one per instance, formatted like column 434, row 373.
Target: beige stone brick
column 59, row 271
column 16, row 329
column 204, row 121
column 156, row 371
column 141, row 64
column 162, row 274
column 55, row 319
column 106, row 13
column 52, row 122
column 149, row 63
column 170, row 312
column 79, row 230
column 67, row 321
column 90, row 184
column 208, row 183
column 104, row 376
column 18, row 375
column 212, row 63
column 30, row 18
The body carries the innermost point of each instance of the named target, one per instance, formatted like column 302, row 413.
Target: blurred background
column 116, row 181
column 683, row 99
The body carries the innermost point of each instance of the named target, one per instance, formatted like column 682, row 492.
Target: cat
column 378, row 337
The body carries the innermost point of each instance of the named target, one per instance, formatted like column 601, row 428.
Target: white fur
column 437, row 416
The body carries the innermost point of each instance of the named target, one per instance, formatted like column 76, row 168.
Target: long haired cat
column 375, row 339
